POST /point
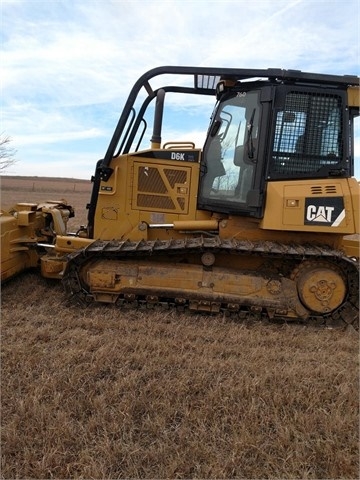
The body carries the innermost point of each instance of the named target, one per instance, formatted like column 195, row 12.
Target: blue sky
column 68, row 65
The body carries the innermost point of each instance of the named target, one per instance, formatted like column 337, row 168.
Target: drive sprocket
column 321, row 285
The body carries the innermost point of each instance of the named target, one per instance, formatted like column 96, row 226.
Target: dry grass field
column 103, row 393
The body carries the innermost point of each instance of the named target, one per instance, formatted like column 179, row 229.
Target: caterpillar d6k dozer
column 263, row 221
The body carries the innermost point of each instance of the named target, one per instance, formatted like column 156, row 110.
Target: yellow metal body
column 207, row 288
column 27, row 231
column 145, row 191
column 16, row 234
column 353, row 94
column 285, row 205
column 148, row 199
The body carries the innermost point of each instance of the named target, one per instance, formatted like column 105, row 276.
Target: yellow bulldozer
column 261, row 222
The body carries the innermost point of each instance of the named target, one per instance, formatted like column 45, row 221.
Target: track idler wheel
column 321, row 286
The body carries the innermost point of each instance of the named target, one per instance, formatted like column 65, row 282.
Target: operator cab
column 264, row 131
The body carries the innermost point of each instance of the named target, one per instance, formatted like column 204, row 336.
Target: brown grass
column 103, row 393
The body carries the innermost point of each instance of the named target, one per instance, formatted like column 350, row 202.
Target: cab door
column 233, row 154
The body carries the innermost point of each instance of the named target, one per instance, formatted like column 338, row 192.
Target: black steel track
column 347, row 313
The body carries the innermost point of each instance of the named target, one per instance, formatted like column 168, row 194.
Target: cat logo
column 328, row 211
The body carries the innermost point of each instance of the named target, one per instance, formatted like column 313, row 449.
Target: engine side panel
column 311, row 206
column 146, row 190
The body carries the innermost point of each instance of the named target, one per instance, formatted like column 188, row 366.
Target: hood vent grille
column 324, row 189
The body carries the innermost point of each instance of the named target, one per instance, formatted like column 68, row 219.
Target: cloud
column 68, row 65
column 56, row 137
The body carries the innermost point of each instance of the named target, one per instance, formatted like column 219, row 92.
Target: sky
column 68, row 65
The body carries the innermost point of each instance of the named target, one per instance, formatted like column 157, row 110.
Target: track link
column 346, row 314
